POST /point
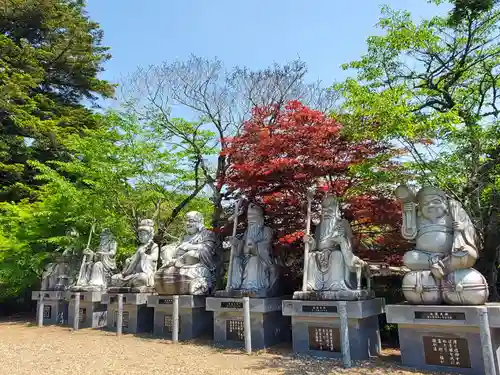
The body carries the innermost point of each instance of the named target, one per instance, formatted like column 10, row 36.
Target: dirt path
column 29, row 350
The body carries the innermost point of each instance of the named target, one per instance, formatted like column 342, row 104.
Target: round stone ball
column 465, row 287
column 420, row 288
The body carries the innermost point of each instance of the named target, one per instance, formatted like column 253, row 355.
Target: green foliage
column 50, row 55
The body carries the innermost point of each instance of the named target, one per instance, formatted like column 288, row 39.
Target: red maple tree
column 282, row 151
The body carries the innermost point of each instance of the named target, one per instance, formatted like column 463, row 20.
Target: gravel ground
column 26, row 349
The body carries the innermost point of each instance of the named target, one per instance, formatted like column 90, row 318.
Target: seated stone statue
column 445, row 251
column 254, row 270
column 138, row 273
column 98, row 266
column 189, row 266
column 59, row 275
column 332, row 271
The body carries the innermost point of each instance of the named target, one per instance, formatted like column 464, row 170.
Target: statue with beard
column 138, row 273
column 445, row 251
column 332, row 270
column 190, row 265
column 255, row 271
column 98, row 266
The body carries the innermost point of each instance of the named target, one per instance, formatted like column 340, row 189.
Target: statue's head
column 330, row 207
column 146, row 231
column 433, row 202
column 194, row 222
column 106, row 235
column 72, row 233
column 255, row 215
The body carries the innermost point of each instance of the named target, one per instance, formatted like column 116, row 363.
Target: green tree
column 433, row 86
column 50, row 56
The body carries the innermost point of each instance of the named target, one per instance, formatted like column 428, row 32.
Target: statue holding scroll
column 97, row 267
column 253, row 270
column 138, row 273
column 445, row 251
column 331, row 270
column 59, row 275
column 190, row 265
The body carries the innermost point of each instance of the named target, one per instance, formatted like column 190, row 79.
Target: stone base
column 427, row 333
column 340, row 295
column 194, row 320
column 55, row 306
column 93, row 314
column 316, row 327
column 268, row 325
column 137, row 316
column 126, row 289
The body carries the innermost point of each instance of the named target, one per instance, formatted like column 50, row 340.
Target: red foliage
column 283, row 151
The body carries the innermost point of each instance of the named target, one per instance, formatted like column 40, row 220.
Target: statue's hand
column 308, row 239
column 88, row 252
column 458, row 226
column 408, row 206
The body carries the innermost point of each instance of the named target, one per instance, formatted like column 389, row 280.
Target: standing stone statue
column 189, row 266
column 332, row 271
column 446, row 249
column 98, row 266
column 138, row 273
column 59, row 275
column 255, row 272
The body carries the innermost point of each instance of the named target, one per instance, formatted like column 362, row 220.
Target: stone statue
column 332, row 271
column 255, row 272
column 190, row 265
column 139, row 270
column 98, row 266
column 445, row 251
column 59, row 275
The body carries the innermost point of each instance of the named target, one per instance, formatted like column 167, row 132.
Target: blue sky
column 254, row 33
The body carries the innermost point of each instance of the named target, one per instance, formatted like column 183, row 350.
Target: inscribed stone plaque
column 168, row 323
column 439, row 315
column 47, row 311
column 124, row 320
column 165, row 301
column 319, row 309
column 446, row 351
column 82, row 315
column 324, row 339
column 231, row 305
column 235, row 330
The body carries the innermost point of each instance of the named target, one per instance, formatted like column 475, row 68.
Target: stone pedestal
column 268, row 325
column 137, row 316
column 316, row 327
column 194, row 320
column 55, row 306
column 442, row 338
column 92, row 314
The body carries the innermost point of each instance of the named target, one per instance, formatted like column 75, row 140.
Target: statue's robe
column 140, row 269
column 98, row 273
column 331, row 266
column 254, row 272
column 200, row 269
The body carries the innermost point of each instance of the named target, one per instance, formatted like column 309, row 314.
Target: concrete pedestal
column 92, row 314
column 55, row 306
column 137, row 316
column 194, row 320
column 316, row 327
column 441, row 338
column 268, row 325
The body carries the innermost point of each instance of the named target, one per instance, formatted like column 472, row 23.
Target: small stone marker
column 175, row 319
column 487, row 348
column 119, row 318
column 344, row 335
column 41, row 310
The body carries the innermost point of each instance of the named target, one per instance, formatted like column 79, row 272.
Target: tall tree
column 221, row 99
column 50, row 57
column 433, row 87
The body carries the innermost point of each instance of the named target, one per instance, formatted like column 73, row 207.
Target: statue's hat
column 431, row 190
column 146, row 225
